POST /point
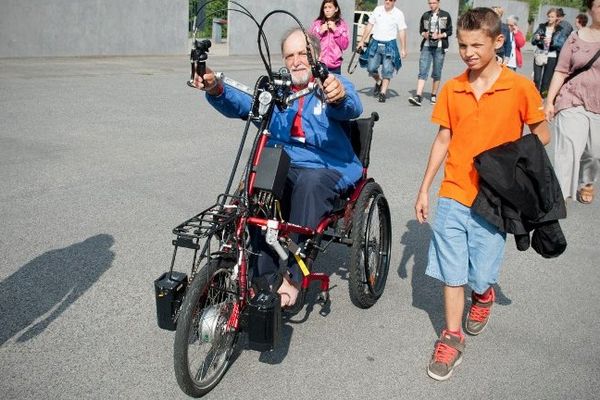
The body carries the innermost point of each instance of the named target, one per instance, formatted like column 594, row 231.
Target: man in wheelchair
column 311, row 131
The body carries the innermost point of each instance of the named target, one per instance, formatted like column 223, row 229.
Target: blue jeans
column 431, row 55
column 387, row 71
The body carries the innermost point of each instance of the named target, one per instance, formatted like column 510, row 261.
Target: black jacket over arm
column 519, row 193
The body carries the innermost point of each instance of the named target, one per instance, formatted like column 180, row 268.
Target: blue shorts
column 464, row 248
column 431, row 56
column 380, row 58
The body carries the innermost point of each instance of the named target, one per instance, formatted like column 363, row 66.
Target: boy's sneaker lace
column 433, row 99
column 446, row 355
column 415, row 100
column 479, row 312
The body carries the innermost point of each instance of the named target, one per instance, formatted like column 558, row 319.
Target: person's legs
column 425, row 59
column 537, row 76
column 454, row 305
column 436, row 75
column 571, row 134
column 547, row 75
column 486, row 251
column 309, row 195
column 313, row 194
column 387, row 71
column 448, row 262
column 373, row 65
column 590, row 160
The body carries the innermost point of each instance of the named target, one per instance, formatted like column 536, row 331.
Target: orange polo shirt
column 478, row 125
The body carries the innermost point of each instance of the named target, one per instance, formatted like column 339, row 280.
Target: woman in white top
column 548, row 40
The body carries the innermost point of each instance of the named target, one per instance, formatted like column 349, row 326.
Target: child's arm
column 542, row 131
column 439, row 149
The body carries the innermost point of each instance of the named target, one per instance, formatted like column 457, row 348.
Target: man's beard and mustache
column 301, row 78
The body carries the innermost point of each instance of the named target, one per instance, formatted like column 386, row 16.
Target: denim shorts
column 464, row 248
column 387, row 71
column 431, row 55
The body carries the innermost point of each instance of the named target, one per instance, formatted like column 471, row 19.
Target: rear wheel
column 203, row 344
column 371, row 246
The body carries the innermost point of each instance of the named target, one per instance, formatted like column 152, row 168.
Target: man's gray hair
column 513, row 18
column 314, row 41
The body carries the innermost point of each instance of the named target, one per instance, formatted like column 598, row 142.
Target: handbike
column 211, row 306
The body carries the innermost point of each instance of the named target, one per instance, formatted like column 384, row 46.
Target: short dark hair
column 582, row 19
column 560, row 12
column 588, row 4
column 480, row 18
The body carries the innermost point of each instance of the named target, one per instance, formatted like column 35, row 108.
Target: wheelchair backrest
column 361, row 134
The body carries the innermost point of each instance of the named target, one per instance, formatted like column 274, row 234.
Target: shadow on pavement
column 46, row 286
column 426, row 291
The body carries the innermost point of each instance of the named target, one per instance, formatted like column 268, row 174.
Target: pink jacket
column 333, row 44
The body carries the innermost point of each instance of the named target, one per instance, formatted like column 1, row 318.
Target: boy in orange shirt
column 484, row 107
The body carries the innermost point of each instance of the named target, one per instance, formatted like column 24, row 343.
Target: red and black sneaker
column 446, row 356
column 479, row 313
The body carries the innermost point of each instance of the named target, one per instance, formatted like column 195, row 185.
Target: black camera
column 200, row 49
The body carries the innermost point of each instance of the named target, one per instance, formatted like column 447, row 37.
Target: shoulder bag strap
column 584, row 68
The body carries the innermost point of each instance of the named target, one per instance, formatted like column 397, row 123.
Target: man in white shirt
column 386, row 23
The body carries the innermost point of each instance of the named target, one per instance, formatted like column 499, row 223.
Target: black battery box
column 169, row 288
column 264, row 320
column 272, row 170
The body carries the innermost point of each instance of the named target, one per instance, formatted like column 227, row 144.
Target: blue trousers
column 309, row 195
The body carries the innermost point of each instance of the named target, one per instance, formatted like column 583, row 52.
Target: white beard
column 300, row 78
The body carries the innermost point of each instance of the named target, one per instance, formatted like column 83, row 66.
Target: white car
column 361, row 19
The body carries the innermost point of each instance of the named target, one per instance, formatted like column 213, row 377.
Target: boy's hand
column 422, row 207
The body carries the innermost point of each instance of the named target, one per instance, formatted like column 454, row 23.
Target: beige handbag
column 540, row 58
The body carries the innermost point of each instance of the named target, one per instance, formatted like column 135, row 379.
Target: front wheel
column 203, row 344
column 371, row 246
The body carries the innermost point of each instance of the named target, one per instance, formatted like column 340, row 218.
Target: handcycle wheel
column 203, row 345
column 371, row 245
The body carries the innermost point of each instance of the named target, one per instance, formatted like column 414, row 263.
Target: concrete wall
column 92, row 27
column 511, row 7
column 570, row 14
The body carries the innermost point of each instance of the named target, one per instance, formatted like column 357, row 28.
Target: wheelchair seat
column 360, row 131
column 361, row 134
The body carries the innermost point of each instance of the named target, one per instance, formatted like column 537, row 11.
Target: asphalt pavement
column 101, row 157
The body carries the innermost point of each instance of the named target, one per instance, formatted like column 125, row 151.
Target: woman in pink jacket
column 332, row 31
column 518, row 41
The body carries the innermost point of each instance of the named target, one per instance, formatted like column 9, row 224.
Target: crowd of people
column 467, row 245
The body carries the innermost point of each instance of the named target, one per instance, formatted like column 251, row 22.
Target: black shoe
column 377, row 89
column 415, row 100
column 433, row 99
column 381, row 98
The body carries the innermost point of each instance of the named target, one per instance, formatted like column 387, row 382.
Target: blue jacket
column 391, row 50
column 327, row 144
column 557, row 40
